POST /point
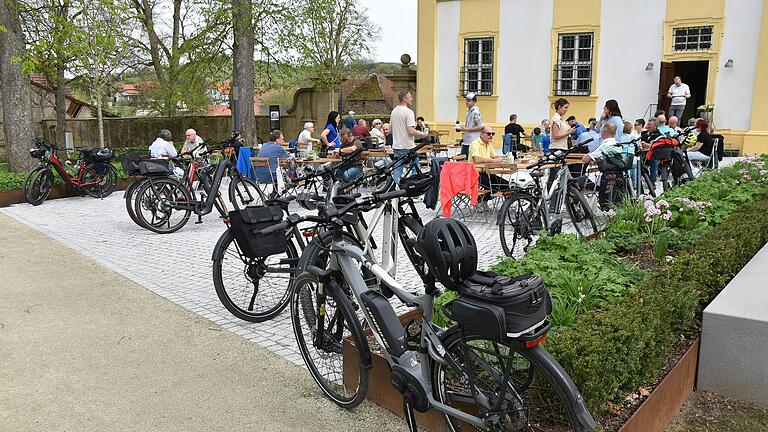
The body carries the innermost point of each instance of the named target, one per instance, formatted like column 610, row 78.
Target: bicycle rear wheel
column 579, row 213
column 37, row 185
column 535, row 396
column 331, row 342
column 518, row 225
column 252, row 289
column 130, row 197
column 162, row 205
column 243, row 192
column 100, row 184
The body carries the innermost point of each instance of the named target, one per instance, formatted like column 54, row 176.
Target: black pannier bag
column 130, row 162
column 493, row 306
column 154, row 167
column 246, row 224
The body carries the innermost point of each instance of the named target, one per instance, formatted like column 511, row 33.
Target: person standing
column 611, row 114
column 580, row 129
column 513, row 135
column 679, row 93
column 559, row 129
column 349, row 120
column 403, row 125
column 330, row 135
column 473, row 123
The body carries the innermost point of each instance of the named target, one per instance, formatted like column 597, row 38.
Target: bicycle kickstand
column 410, row 418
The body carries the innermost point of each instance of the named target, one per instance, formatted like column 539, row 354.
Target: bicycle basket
column 154, row 167
column 417, row 184
column 616, row 162
column 130, row 162
column 246, row 224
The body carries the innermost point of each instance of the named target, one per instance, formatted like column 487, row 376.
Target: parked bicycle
column 488, row 371
column 92, row 172
column 532, row 208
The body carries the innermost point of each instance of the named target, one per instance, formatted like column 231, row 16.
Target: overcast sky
column 397, row 20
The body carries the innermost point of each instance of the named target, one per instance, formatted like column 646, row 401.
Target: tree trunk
column 243, row 67
column 17, row 107
column 100, row 120
column 61, row 110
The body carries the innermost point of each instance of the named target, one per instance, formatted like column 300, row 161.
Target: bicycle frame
column 563, row 176
column 53, row 160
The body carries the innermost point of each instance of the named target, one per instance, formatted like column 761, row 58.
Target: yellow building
column 520, row 55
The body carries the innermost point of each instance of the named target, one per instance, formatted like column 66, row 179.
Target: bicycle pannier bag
column 246, row 224
column 154, row 167
column 494, row 306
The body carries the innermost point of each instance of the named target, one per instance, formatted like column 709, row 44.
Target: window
column 692, row 38
column 477, row 73
column 573, row 71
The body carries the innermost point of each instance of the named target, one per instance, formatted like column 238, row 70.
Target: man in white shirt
column 305, row 137
column 679, row 93
column 473, row 123
column 162, row 146
column 191, row 142
column 403, row 124
column 673, row 123
column 608, row 139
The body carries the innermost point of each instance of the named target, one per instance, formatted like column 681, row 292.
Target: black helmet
column 417, row 184
column 449, row 250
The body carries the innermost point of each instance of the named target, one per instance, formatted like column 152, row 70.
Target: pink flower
column 662, row 204
column 667, row 215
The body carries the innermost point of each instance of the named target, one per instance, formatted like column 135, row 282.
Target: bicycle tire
column 580, row 213
column 531, row 378
column 329, row 358
column 516, row 219
column 243, row 304
column 104, row 185
column 243, row 192
column 147, row 199
column 37, row 185
column 622, row 190
column 665, row 174
column 646, row 186
column 130, row 195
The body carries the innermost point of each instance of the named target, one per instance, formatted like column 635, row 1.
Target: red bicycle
column 92, row 172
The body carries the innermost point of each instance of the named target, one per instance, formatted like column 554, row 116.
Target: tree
column 243, row 68
column 184, row 60
column 330, row 36
column 102, row 49
column 17, row 110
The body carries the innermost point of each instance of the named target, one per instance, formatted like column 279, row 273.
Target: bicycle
column 616, row 182
column 161, row 196
column 471, row 377
column 528, row 211
column 92, row 172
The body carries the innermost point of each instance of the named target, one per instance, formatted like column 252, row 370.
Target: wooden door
column 666, row 78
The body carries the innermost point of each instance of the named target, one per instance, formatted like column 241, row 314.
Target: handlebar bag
column 498, row 306
column 154, row 167
column 246, row 224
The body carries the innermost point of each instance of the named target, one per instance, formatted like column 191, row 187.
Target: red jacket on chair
column 457, row 177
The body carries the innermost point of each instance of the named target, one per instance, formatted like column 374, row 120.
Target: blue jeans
column 350, row 174
column 653, row 167
column 399, row 165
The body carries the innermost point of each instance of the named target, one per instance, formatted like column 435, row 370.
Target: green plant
column 619, row 346
column 660, row 247
column 439, row 317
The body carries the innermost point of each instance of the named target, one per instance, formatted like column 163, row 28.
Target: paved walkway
column 83, row 348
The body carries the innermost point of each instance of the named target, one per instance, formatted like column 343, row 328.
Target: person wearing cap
column 377, row 135
column 349, row 121
column 473, row 123
column 580, row 129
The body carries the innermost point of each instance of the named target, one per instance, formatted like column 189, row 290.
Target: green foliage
column 579, row 275
column 620, row 346
column 9, row 180
column 439, row 317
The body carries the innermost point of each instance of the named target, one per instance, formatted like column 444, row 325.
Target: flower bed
column 616, row 324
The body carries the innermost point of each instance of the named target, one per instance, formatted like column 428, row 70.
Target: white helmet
column 522, row 180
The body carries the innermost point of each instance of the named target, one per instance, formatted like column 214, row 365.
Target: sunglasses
column 490, row 133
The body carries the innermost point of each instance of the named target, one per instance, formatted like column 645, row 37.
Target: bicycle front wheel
column 331, row 342
column 243, row 192
column 534, row 396
column 252, row 289
column 579, row 213
column 130, row 196
column 37, row 185
column 162, row 205
column 519, row 224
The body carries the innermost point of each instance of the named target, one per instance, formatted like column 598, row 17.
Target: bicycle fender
column 342, row 301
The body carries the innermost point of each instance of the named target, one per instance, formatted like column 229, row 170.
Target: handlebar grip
column 390, row 195
column 282, row 226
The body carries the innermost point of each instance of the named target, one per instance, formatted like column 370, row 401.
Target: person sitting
column 481, row 151
column 537, row 137
column 421, row 127
column 649, row 135
column 388, row 138
column 349, row 144
column 192, row 141
column 580, row 129
column 272, row 150
column 608, row 139
column 377, row 135
column 305, row 137
column 663, row 128
column 673, row 124
column 702, row 150
column 163, row 146
column 360, row 131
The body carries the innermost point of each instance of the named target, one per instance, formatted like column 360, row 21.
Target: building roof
column 40, row 81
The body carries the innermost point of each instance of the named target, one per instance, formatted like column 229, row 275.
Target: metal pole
column 235, row 108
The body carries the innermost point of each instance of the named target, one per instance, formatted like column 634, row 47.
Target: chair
column 500, row 191
column 269, row 188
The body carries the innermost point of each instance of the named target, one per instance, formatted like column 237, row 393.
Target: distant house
column 219, row 94
column 371, row 95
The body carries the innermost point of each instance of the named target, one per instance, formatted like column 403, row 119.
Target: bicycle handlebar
column 382, row 171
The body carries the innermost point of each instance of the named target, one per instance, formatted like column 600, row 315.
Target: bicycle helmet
column 417, row 184
column 449, row 250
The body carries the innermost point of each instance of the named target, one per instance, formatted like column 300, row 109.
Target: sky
column 397, row 20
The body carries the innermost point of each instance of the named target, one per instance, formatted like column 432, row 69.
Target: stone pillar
column 404, row 79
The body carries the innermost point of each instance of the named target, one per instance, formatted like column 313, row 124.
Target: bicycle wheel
column 331, row 342
column 579, row 213
column 666, row 183
column 37, row 185
column 619, row 192
column 534, row 398
column 252, row 289
column 518, row 225
column 646, row 186
column 130, row 196
column 243, row 192
column 162, row 205
column 99, row 185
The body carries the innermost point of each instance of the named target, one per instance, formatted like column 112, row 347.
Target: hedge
column 612, row 351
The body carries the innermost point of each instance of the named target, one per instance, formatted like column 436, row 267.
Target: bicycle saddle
column 84, row 150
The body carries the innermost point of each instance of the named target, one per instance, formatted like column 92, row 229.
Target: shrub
column 613, row 350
